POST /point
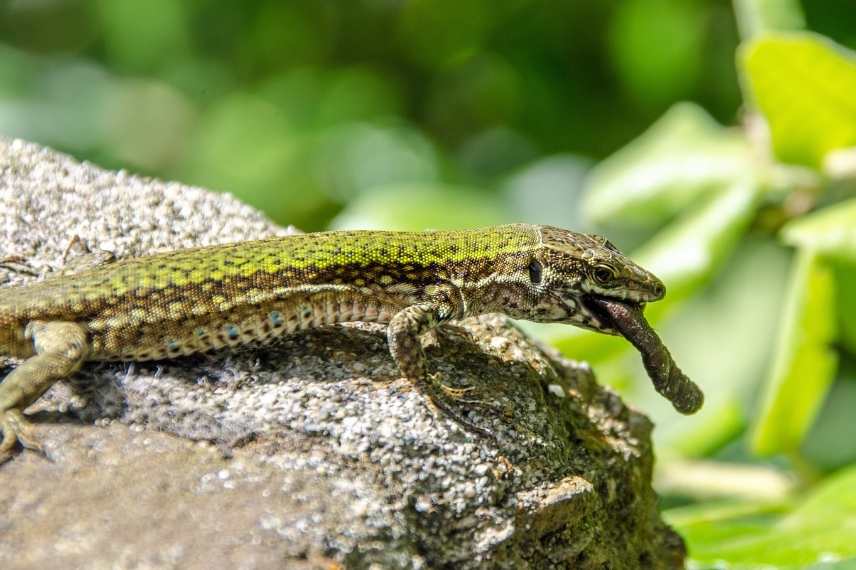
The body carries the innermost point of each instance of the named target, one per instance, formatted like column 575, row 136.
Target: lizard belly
column 238, row 326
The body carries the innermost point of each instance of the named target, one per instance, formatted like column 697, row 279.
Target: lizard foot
column 433, row 389
column 440, row 409
column 457, row 394
column 16, row 428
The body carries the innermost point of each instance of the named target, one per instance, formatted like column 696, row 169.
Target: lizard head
column 569, row 270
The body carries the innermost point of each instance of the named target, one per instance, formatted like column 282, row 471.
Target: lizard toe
column 25, row 431
column 16, row 429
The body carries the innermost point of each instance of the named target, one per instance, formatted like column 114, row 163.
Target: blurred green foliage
column 716, row 142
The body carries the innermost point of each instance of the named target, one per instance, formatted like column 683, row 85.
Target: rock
column 311, row 453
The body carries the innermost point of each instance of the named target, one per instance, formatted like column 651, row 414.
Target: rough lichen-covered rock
column 312, row 453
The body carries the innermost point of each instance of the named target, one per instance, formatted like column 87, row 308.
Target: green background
column 711, row 140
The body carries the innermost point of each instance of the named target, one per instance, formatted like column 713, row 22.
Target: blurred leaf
column 830, row 231
column 707, row 526
column 682, row 156
column 484, row 92
column 803, row 83
column 421, row 207
column 755, row 17
column 314, row 98
column 143, row 35
column 831, row 443
column 70, row 109
column 149, row 124
column 658, row 72
column 547, row 191
column 845, row 281
column 355, row 94
column 743, row 536
column 849, row 564
column 355, row 158
column 289, row 33
column 441, row 33
column 685, row 256
column 804, row 364
column 246, row 146
column 732, row 319
column 489, row 154
column 711, row 480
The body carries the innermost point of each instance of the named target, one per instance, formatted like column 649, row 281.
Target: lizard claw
column 16, row 429
column 440, row 408
column 457, row 394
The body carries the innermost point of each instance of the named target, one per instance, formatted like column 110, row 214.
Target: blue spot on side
column 276, row 318
column 232, row 332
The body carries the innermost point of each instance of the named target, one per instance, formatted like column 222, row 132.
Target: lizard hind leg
column 403, row 334
column 60, row 349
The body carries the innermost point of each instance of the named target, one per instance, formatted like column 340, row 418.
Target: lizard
column 195, row 300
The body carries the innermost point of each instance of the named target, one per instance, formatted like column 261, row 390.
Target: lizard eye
column 602, row 274
column 535, row 271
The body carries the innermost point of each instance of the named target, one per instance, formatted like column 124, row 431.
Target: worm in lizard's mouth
column 598, row 318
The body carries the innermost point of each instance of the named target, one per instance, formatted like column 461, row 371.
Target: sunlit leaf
column 845, row 280
column 830, row 231
column 687, row 254
column 804, row 362
column 684, row 155
column 803, row 83
column 831, row 442
column 758, row 16
column 819, row 530
column 707, row 526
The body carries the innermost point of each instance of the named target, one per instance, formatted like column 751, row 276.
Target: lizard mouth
column 599, row 317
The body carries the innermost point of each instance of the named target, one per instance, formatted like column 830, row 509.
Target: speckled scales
column 183, row 302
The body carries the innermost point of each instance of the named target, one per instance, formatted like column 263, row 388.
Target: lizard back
column 191, row 300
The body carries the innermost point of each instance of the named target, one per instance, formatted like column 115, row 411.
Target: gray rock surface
column 311, row 453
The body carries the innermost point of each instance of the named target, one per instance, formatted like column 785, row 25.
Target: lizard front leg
column 60, row 349
column 403, row 334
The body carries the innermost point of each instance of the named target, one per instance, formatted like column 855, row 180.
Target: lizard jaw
column 596, row 318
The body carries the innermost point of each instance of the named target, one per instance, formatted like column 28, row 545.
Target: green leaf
column 830, row 231
column 845, row 280
column 803, row 84
column 706, row 527
column 685, row 256
column 684, row 155
column 758, row 16
column 741, row 536
column 804, row 364
column 831, row 442
column 732, row 319
column 657, row 73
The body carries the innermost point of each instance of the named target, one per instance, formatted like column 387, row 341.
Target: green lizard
column 189, row 301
